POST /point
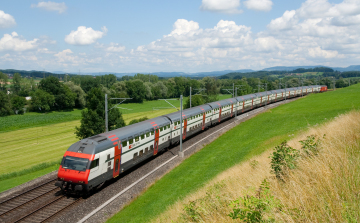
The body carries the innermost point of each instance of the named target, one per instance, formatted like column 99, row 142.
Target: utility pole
column 181, row 153
column 190, row 97
column 233, row 90
column 106, row 110
column 106, row 114
column 236, row 102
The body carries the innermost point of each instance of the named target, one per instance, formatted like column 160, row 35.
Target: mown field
column 239, row 144
column 34, row 119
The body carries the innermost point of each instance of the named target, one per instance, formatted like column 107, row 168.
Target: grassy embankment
column 31, row 151
column 243, row 142
column 322, row 188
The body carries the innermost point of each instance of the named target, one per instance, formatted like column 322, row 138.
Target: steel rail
column 25, row 192
column 27, row 202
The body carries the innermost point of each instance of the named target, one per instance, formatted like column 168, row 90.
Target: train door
column 275, row 97
column 243, row 106
column 203, row 123
column 185, row 127
column 117, row 159
column 156, row 142
column 220, row 114
column 232, row 110
column 252, row 103
column 261, row 101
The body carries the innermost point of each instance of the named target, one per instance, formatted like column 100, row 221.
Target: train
column 88, row 163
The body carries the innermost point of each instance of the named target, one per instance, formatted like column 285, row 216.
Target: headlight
column 81, row 182
column 61, row 178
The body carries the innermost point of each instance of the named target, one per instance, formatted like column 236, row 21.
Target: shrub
column 252, row 208
column 310, row 146
column 282, row 159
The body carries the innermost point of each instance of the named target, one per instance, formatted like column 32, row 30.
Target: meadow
column 34, row 119
column 241, row 143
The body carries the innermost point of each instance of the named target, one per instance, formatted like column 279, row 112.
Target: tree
column 64, row 97
column 18, row 104
column 80, row 100
column 41, row 100
column 136, row 90
column 196, row 100
column 3, row 81
column 5, row 108
column 16, row 83
column 93, row 117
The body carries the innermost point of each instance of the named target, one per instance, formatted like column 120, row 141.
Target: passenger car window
column 131, row 141
column 136, row 138
column 142, row 136
column 152, row 133
column 148, row 134
column 124, row 143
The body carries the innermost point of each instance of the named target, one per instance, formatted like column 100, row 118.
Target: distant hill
column 35, row 73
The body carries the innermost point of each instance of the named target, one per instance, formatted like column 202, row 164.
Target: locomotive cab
column 73, row 174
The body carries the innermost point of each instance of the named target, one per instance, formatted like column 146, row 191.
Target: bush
column 310, row 146
column 282, row 159
column 252, row 208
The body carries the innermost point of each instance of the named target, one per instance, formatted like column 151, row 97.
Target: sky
column 177, row 36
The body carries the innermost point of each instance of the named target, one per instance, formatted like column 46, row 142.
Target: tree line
column 55, row 93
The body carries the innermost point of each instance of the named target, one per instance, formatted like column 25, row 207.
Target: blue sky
column 184, row 36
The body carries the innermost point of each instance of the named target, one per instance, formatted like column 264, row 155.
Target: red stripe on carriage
column 155, row 125
column 115, row 143
column 112, row 136
column 152, row 122
column 114, row 139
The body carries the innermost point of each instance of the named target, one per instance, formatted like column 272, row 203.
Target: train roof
column 278, row 91
column 245, row 97
column 218, row 104
column 103, row 141
column 189, row 112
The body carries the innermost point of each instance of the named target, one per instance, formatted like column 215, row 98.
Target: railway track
column 38, row 204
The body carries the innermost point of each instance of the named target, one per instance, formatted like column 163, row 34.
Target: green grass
column 240, row 143
column 15, row 181
column 33, row 119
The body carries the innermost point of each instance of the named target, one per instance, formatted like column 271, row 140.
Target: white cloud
column 318, row 52
column 14, row 43
column 287, row 21
column 221, row 6
column 84, row 36
column 6, row 20
column 51, row 6
column 182, row 26
column 115, row 47
column 66, row 56
column 259, row 5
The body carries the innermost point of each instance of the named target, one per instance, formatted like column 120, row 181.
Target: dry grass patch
column 323, row 187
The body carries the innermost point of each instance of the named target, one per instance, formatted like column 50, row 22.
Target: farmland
column 240, row 143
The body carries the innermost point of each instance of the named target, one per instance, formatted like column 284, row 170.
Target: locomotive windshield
column 75, row 163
